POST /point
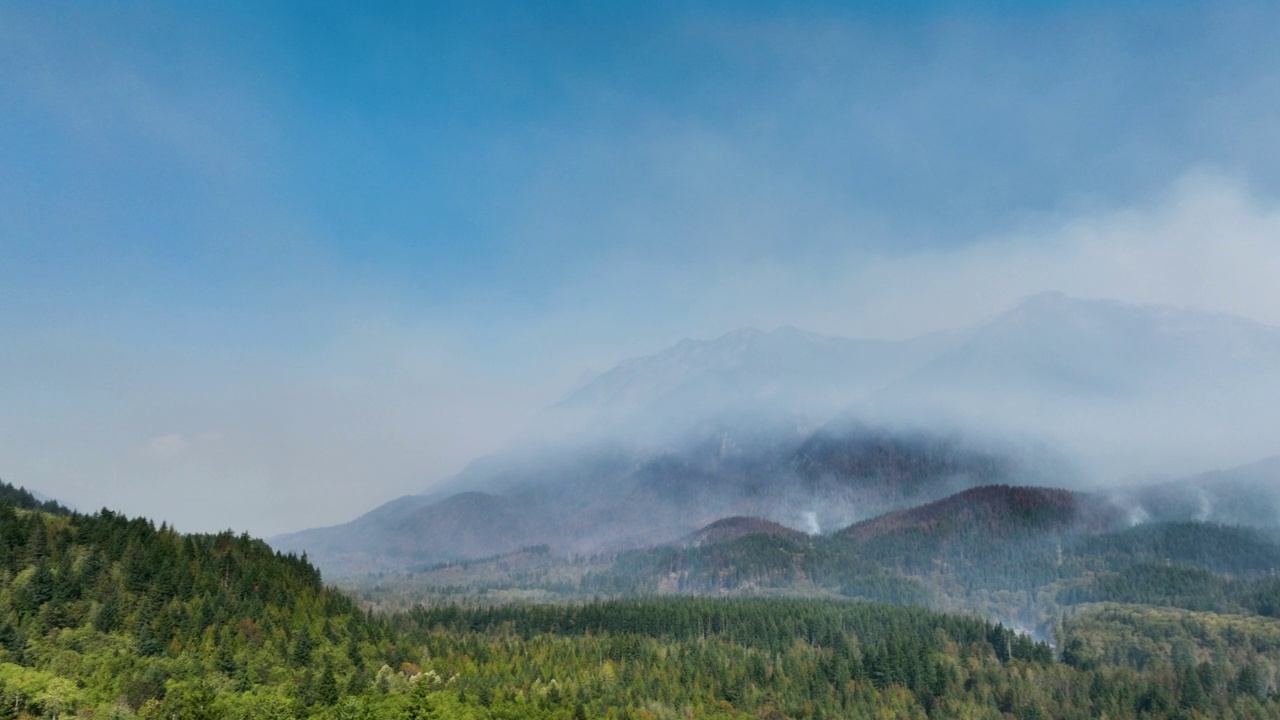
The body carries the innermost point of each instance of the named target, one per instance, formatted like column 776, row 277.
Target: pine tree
column 327, row 686
column 223, row 658
column 37, row 542
column 419, row 705
column 148, row 642
column 302, row 648
column 1248, row 681
column 108, row 617
column 39, row 588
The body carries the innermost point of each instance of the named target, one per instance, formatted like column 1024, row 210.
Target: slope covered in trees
column 104, row 611
column 20, row 497
column 106, row 616
column 1019, row 554
column 737, row 527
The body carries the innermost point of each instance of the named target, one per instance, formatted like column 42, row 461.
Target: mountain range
column 817, row 433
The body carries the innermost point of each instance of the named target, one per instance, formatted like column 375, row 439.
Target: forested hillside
column 1021, row 555
column 24, row 499
column 615, row 496
column 101, row 611
column 105, row 616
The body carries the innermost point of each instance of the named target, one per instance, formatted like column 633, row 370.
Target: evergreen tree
column 303, row 645
column 108, row 617
column 327, row 686
column 1248, row 681
column 419, row 704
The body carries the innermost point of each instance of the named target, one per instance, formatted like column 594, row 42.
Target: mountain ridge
column 737, row 527
column 1055, row 390
column 1028, row 509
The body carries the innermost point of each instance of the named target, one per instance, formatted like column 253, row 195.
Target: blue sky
column 254, row 250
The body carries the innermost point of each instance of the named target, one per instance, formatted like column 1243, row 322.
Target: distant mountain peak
column 784, row 372
column 1054, row 306
column 729, row 346
column 817, row 431
column 737, row 527
column 996, row 510
column 1049, row 298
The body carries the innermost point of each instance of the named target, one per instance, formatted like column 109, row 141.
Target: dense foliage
column 1024, row 564
column 22, row 498
column 1179, row 587
column 1213, row 547
column 1024, row 556
column 106, row 616
column 101, row 611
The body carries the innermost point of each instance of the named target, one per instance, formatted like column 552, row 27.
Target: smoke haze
column 270, row 282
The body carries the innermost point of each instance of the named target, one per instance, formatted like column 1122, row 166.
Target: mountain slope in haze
column 1129, row 390
column 735, row 528
column 651, row 497
column 1229, row 549
column 900, row 463
column 989, row 538
column 1023, row 554
column 1245, row 495
column 729, row 427
column 783, row 373
column 1102, row 348
column 414, row 529
column 754, row 388
column 346, row 547
column 994, row 512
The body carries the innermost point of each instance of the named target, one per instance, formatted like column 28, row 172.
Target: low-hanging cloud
column 1208, row 243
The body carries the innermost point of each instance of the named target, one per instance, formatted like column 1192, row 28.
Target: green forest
column 998, row 566
column 104, row 616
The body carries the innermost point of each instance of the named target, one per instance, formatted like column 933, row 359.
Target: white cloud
column 1207, row 242
column 165, row 447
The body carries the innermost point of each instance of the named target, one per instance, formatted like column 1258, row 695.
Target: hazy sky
column 269, row 265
